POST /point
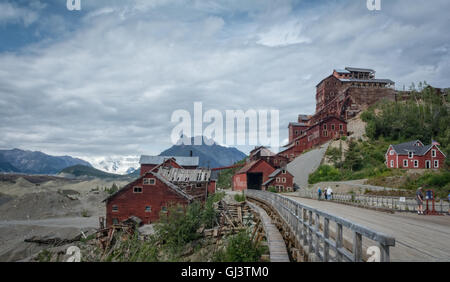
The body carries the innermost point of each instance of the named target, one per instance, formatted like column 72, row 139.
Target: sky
column 105, row 80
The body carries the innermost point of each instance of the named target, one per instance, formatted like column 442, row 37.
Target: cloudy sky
column 105, row 80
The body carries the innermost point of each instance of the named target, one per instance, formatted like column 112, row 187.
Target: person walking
column 448, row 198
column 329, row 193
column 319, row 192
column 325, row 194
column 419, row 199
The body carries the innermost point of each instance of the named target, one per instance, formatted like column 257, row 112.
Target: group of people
column 328, row 193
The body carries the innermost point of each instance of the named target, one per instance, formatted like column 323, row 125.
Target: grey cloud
column 110, row 86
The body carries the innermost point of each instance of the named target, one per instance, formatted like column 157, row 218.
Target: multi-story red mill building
column 340, row 96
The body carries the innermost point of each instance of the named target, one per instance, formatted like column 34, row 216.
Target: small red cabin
column 414, row 155
column 281, row 179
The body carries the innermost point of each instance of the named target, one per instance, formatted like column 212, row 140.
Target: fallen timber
column 309, row 236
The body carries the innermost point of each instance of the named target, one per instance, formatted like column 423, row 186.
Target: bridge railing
column 403, row 204
column 304, row 222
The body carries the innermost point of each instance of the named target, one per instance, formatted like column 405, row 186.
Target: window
column 283, row 171
column 297, row 143
column 436, row 163
column 148, row 181
column 283, row 180
column 410, row 154
column 332, row 127
column 325, row 133
column 278, row 179
column 392, row 163
column 198, row 185
column 391, row 152
column 115, row 221
column 325, row 127
column 148, row 209
column 115, row 208
column 341, row 127
column 433, row 153
column 164, row 209
column 296, row 132
column 137, row 189
column 416, row 163
column 405, row 163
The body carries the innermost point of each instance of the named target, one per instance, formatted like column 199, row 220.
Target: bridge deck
column 418, row 237
column 277, row 246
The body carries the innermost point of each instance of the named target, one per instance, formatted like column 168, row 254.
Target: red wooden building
column 252, row 175
column 144, row 198
column 327, row 129
column 414, row 155
column 281, row 180
column 153, row 192
column 271, row 158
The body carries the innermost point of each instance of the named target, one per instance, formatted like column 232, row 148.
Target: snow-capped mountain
column 115, row 164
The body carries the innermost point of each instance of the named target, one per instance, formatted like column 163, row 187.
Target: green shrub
column 272, row 189
column 209, row 213
column 178, row 226
column 240, row 248
column 240, row 197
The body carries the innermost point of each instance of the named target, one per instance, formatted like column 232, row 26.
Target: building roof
column 304, row 117
column 273, row 174
column 264, row 152
column 352, row 69
column 175, row 175
column 341, row 71
column 388, row 81
column 297, row 124
column 411, row 146
column 172, row 186
column 267, row 181
column 248, row 166
column 156, row 160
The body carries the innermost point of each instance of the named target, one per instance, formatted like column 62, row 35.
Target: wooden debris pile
column 233, row 217
column 126, row 229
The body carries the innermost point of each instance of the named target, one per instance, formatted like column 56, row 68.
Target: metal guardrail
column 307, row 230
column 406, row 204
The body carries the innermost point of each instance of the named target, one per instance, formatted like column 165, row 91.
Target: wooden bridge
column 314, row 235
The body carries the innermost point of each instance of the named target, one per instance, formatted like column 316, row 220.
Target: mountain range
column 210, row 155
column 29, row 162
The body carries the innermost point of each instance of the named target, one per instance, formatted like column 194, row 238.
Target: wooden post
column 317, row 247
column 310, row 231
column 384, row 255
column 339, row 241
column 357, row 247
column 305, row 231
column 326, row 235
